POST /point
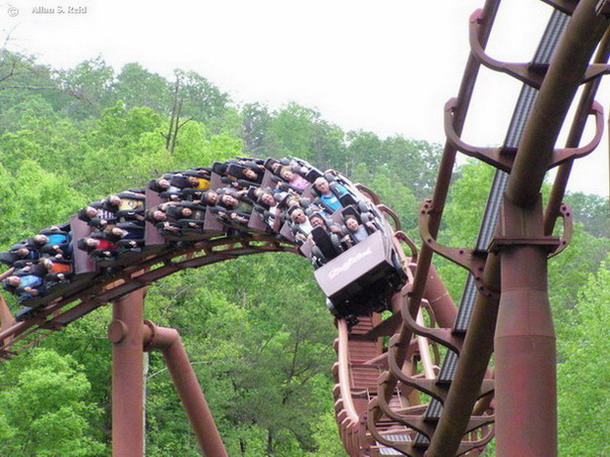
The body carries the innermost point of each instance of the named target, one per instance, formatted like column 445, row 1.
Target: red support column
column 525, row 360
column 6, row 318
column 168, row 341
column 125, row 332
column 440, row 301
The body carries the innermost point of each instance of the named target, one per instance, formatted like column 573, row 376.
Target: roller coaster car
column 326, row 246
column 220, row 168
column 313, row 174
column 361, row 279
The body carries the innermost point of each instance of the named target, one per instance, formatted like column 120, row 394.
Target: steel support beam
column 443, row 306
column 168, row 341
column 125, row 332
column 526, row 396
column 525, row 360
column 534, row 155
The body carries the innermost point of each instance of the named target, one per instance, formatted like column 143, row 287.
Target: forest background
column 257, row 332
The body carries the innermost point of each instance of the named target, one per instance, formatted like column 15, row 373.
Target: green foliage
column 136, row 86
column 255, row 127
column 394, row 194
column 300, row 132
column 202, row 100
column 31, row 201
column 88, row 83
column 583, row 378
column 412, row 163
column 261, row 349
column 569, row 271
column 593, row 211
column 44, row 405
column 20, row 76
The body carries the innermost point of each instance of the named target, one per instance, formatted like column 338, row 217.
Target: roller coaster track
column 380, row 388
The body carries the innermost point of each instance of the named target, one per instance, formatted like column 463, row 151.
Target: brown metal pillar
column 168, row 341
column 6, row 318
column 526, row 381
column 125, row 332
column 440, row 301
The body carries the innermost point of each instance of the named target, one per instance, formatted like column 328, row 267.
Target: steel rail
column 440, row 195
column 54, row 312
column 574, row 137
column 565, row 72
column 347, row 417
column 344, row 372
column 523, row 107
column 564, row 76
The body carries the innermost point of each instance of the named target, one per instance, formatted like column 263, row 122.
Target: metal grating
column 397, row 437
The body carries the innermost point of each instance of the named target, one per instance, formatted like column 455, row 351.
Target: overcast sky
column 386, row 66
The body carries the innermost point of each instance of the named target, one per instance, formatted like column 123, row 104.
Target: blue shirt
column 30, row 281
column 332, row 201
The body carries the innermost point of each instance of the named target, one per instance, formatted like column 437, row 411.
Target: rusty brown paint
column 127, row 378
column 168, row 341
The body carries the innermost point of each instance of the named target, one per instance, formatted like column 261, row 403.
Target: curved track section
column 142, row 235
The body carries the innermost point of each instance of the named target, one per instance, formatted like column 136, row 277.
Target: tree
column 255, row 127
column 300, row 132
column 89, row 83
column 363, row 148
column 33, row 203
column 393, row 194
column 19, row 72
column 201, row 100
column 593, row 211
column 22, row 79
column 137, row 86
column 57, row 418
column 261, row 344
column 414, row 162
column 584, row 377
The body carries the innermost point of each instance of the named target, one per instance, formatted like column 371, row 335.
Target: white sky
column 386, row 66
